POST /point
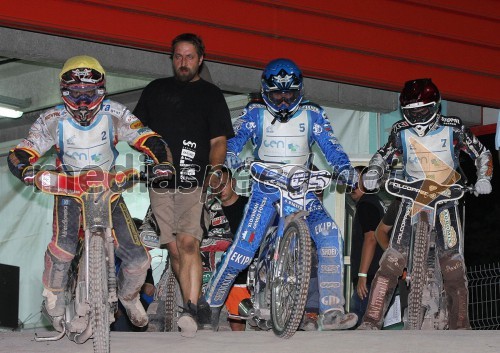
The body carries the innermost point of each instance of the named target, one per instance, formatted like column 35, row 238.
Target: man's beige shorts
column 178, row 211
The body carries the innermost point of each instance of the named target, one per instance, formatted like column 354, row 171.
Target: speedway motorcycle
column 91, row 292
column 426, row 301
column 278, row 278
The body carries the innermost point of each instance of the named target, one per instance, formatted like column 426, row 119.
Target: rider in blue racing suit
column 283, row 130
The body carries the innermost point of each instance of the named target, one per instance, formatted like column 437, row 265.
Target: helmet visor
column 287, row 97
column 86, row 94
column 421, row 114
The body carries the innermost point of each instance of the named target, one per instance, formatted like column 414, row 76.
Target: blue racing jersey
column 289, row 142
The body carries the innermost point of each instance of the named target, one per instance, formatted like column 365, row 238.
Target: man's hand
column 482, row 187
column 232, row 161
column 361, row 288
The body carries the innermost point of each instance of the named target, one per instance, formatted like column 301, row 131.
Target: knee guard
column 391, row 267
column 131, row 279
column 455, row 285
column 329, row 245
column 392, row 263
column 55, row 274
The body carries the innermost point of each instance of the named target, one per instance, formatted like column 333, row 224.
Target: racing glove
column 372, row 179
column 163, row 171
column 482, row 187
column 350, row 177
column 28, row 175
column 232, row 160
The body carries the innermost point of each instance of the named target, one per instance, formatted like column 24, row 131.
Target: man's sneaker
column 55, row 303
column 309, row 322
column 135, row 311
column 337, row 320
column 204, row 315
column 187, row 320
column 215, row 317
column 366, row 325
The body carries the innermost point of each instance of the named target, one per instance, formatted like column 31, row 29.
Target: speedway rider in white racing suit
column 84, row 131
column 283, row 130
column 430, row 145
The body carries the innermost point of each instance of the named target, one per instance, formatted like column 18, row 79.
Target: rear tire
column 291, row 280
column 164, row 311
column 98, row 295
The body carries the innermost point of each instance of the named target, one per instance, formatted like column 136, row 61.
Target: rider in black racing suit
column 430, row 145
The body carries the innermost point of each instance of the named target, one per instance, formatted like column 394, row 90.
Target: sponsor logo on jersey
column 450, row 120
column 224, row 287
column 136, row 125
column 71, row 140
column 324, row 228
column 401, row 229
column 216, row 221
column 274, row 143
column 240, row 258
column 330, row 300
column 329, row 269
column 329, row 252
column 317, row 129
column 329, row 285
column 449, row 233
column 96, row 157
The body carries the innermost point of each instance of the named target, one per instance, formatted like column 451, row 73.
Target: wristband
column 362, row 274
column 217, row 172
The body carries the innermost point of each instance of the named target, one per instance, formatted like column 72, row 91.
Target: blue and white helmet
column 282, row 88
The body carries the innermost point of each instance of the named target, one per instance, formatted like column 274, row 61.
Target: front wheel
column 418, row 275
column 291, row 280
column 98, row 295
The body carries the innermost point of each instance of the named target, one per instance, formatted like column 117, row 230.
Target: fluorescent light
column 10, row 113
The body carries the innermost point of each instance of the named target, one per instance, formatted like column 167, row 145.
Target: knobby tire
column 98, row 295
column 418, row 275
column 290, row 286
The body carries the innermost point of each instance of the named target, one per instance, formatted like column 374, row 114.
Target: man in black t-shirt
column 365, row 252
column 192, row 116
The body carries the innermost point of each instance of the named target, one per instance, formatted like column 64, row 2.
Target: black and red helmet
column 420, row 100
column 82, row 83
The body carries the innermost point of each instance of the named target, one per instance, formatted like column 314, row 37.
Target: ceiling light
column 10, row 113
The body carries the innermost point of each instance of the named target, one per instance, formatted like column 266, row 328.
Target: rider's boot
column 455, row 285
column 382, row 288
column 55, row 276
column 309, row 321
column 54, row 301
column 214, row 317
column 129, row 285
column 336, row 319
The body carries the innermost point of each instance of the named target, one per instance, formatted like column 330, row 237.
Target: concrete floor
column 259, row 342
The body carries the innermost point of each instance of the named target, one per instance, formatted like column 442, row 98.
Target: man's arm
column 218, row 148
column 382, row 234
column 367, row 252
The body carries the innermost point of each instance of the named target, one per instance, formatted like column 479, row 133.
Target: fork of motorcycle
column 110, row 251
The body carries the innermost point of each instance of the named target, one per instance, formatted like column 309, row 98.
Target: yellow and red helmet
column 82, row 83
